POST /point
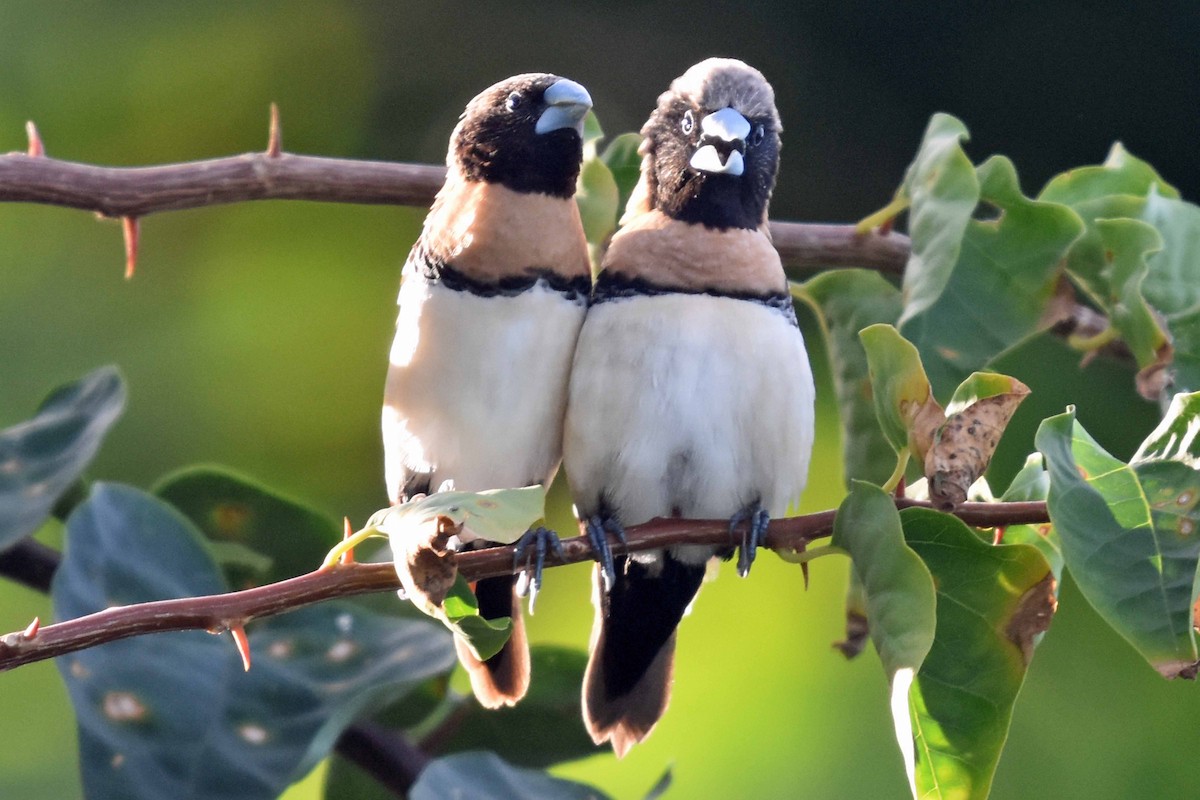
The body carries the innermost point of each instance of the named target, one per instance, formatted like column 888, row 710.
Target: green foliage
column 1128, row 530
column 174, row 715
column 43, row 457
column 993, row 602
column 240, row 517
column 1002, row 281
column 488, row 775
column 846, row 302
column 899, row 590
column 954, row 618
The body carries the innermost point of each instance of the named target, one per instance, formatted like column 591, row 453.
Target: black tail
column 628, row 680
column 503, row 679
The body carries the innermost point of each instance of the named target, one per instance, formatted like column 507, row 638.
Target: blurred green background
column 256, row 335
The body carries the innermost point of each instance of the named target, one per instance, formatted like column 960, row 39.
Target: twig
column 133, row 192
column 31, row 563
column 220, row 612
column 385, row 755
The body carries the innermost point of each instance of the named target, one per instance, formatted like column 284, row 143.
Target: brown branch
column 132, row 192
column 384, row 754
column 220, row 612
column 138, row 191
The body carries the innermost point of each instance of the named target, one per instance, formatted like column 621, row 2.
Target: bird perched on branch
column 691, row 393
column 491, row 301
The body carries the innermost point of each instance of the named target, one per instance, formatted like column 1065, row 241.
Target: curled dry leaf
column 964, row 444
column 426, row 566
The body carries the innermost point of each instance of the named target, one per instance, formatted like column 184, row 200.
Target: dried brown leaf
column 964, row 445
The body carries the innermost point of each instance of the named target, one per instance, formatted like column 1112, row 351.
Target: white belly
column 476, row 389
column 688, row 404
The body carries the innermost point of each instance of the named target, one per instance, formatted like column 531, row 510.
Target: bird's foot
column 598, row 528
column 757, row 519
column 531, row 552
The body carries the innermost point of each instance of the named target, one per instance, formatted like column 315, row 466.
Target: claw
column 757, row 519
column 539, row 538
column 597, row 530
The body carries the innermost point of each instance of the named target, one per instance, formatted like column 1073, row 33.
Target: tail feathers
column 503, row 679
column 628, row 681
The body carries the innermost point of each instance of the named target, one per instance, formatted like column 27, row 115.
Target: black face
column 716, row 200
column 497, row 143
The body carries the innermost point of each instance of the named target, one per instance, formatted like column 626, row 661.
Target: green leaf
column 174, row 715
column 1127, row 243
column 545, row 728
column 480, row 775
column 993, row 602
column 901, row 603
column 1172, row 283
column 1128, row 533
column 1033, row 483
column 904, row 403
column 231, row 509
column 901, row 606
column 999, row 289
column 1121, row 173
column 943, row 190
column 460, row 612
column 596, row 193
column 1108, row 264
column 846, row 301
column 44, row 456
column 625, row 163
column 497, row 515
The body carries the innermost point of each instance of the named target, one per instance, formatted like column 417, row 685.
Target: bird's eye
column 757, row 136
column 514, row 101
column 688, row 124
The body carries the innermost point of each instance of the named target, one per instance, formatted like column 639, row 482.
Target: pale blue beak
column 567, row 103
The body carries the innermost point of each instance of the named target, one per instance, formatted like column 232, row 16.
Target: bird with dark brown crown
column 691, row 393
column 491, row 301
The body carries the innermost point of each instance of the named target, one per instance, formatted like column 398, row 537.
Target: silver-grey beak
column 567, row 103
column 726, row 131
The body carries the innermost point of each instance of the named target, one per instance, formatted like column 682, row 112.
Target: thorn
column 998, row 535
column 242, row 643
column 32, row 630
column 804, row 569
column 131, row 228
column 347, row 532
column 275, row 135
column 886, row 226
column 36, row 148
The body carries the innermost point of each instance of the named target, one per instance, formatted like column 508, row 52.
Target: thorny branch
column 133, row 192
column 225, row 611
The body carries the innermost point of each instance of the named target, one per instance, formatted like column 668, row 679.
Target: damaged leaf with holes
column 1004, row 286
column 1129, row 530
column 174, row 715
